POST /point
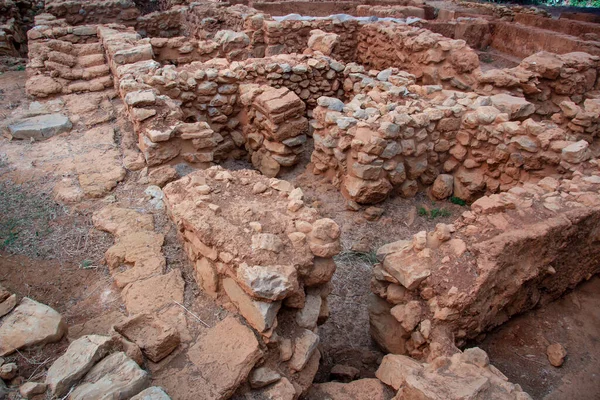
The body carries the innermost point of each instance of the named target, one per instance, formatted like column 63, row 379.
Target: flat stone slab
column 79, row 358
column 30, row 323
column 40, row 127
column 115, row 377
column 225, row 355
column 152, row 393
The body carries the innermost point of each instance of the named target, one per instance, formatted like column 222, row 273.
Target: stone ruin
column 396, row 100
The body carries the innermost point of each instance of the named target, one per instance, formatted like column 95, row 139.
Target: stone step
column 94, row 85
column 90, row 48
column 91, row 60
column 96, row 71
column 40, row 127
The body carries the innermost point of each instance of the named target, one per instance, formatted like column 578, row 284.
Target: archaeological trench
column 260, row 181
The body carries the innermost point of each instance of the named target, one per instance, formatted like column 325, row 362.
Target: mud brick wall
column 66, row 59
column 585, row 17
column 451, row 143
column 291, row 36
column 522, row 41
column 510, row 253
column 588, row 30
column 274, row 127
column 264, row 254
column 431, row 57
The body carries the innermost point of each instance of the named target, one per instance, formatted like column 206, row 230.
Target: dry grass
column 34, row 225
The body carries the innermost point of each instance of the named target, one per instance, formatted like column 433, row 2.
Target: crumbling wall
column 431, row 57
column 165, row 23
column 233, row 46
column 13, row 25
column 292, row 35
column 476, row 32
column 258, row 249
column 77, row 12
column 510, row 253
column 274, row 127
column 397, row 11
column 558, row 86
column 399, row 141
column 66, row 59
column 585, row 17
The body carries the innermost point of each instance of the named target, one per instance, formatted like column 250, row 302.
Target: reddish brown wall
column 569, row 27
column 523, row 41
column 585, row 17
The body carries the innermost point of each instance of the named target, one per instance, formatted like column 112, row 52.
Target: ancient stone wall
column 431, row 57
column 66, row 59
column 233, row 46
column 258, row 249
column 274, row 127
column 560, row 86
column 476, row 32
column 511, row 252
column 77, row 12
column 376, row 145
column 291, row 36
column 12, row 30
column 203, row 20
column 166, row 23
column 412, row 9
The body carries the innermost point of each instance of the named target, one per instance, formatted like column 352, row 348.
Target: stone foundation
column 510, row 253
column 258, row 248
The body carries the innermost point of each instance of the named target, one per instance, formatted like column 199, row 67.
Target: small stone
column 442, row 186
column 577, row 152
column 8, row 371
column 30, row 389
column 272, row 282
column 556, row 354
column 307, row 317
column 304, row 348
column 344, row 373
column 114, row 377
column 259, row 187
column 373, row 213
column 262, row 377
column 28, row 324
column 267, row 241
column 285, row 349
column 156, row 339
